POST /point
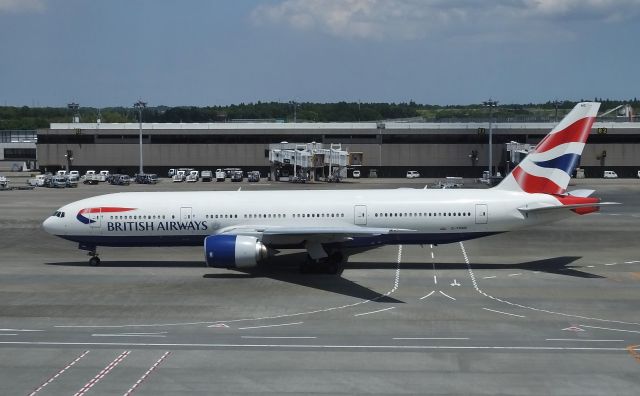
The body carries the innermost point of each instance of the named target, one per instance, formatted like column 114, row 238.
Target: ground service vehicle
column 331, row 224
column 206, row 175
column 220, row 175
column 192, row 176
column 103, row 176
column 37, row 181
column 356, row 174
column 610, row 175
column 253, row 176
column 120, row 180
column 237, row 176
column 72, row 181
column 412, row 174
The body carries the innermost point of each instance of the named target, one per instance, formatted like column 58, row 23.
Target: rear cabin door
column 360, row 215
column 482, row 214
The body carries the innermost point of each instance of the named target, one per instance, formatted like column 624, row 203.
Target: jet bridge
column 310, row 161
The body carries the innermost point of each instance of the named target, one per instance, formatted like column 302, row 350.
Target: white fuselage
column 186, row 218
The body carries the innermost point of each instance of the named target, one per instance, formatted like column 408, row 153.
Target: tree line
column 40, row 117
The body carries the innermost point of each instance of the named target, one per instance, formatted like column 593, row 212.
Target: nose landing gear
column 92, row 252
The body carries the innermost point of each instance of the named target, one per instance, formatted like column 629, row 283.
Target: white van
column 610, row 175
column 412, row 174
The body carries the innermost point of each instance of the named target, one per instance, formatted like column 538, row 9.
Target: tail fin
column 547, row 169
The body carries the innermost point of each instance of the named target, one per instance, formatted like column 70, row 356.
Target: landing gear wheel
column 94, row 261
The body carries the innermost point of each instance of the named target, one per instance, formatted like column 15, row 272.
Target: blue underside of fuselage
column 198, row 240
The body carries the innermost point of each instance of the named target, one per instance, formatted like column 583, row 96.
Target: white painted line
column 430, row 338
column 632, row 262
column 610, row 329
column 513, row 304
column 372, row 312
column 146, row 374
column 396, row 284
column 312, row 346
column 446, row 295
column 19, row 330
column 8, row 334
column 581, row 340
column 279, row 338
column 128, row 335
column 435, row 280
column 59, row 373
column 591, row 266
column 432, row 255
column 489, row 277
column 515, row 274
column 275, row 325
column 611, row 264
column 423, row 297
column 102, row 374
column 504, row 313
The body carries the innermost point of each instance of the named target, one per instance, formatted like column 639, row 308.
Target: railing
column 18, row 136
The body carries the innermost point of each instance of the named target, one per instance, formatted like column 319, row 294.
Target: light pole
column 490, row 104
column 74, row 107
column 139, row 105
column 295, row 110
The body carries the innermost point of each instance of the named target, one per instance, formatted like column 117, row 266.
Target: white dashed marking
column 446, row 295
column 275, row 325
column 372, row 312
column 504, row 313
column 59, row 373
column 581, row 340
column 423, row 297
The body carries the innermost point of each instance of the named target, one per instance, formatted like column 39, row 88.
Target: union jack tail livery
column 548, row 168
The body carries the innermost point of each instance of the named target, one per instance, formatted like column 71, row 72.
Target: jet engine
column 233, row 251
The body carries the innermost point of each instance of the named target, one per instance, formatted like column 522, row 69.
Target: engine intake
column 233, row 251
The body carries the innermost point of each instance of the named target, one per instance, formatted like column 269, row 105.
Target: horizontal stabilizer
column 581, row 193
column 545, row 208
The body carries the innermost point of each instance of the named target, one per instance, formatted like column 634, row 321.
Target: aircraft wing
column 312, row 238
column 305, row 232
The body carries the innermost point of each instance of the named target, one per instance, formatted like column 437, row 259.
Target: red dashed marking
column 145, row 375
column 102, row 373
column 59, row 373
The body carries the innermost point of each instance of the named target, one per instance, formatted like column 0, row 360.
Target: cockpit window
column 59, row 214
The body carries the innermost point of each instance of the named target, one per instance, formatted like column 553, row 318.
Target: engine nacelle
column 233, row 251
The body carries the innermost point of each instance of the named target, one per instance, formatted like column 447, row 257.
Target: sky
column 203, row 52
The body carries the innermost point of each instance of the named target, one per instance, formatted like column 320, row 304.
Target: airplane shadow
column 284, row 268
column 554, row 265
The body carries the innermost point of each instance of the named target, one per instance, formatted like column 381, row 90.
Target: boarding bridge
column 309, row 160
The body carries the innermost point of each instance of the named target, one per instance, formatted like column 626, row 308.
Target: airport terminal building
column 391, row 148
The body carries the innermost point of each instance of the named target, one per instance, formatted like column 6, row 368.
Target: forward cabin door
column 360, row 215
column 185, row 214
column 95, row 218
column 482, row 214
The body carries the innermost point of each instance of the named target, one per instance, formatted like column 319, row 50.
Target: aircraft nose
column 49, row 225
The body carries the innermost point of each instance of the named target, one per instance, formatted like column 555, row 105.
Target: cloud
column 415, row 19
column 15, row 6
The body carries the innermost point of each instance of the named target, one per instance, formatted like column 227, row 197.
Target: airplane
column 242, row 229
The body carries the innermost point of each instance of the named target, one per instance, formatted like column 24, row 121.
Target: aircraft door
column 482, row 214
column 186, row 213
column 95, row 218
column 360, row 215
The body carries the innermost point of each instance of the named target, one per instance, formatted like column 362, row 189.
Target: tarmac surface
column 548, row 310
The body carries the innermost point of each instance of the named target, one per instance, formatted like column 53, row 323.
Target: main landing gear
column 92, row 251
column 333, row 265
